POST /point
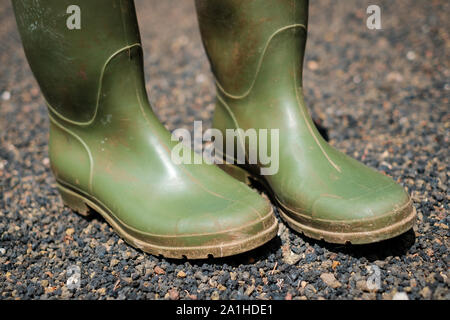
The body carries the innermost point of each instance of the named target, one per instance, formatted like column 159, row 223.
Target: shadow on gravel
column 395, row 247
column 321, row 128
column 249, row 257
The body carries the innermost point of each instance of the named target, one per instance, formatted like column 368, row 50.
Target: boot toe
column 235, row 226
column 373, row 216
column 369, row 205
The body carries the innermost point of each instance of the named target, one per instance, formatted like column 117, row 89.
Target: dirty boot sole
column 342, row 232
column 81, row 203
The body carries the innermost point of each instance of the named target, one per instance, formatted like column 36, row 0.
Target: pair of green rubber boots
column 109, row 152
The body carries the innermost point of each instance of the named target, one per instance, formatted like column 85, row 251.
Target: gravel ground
column 382, row 94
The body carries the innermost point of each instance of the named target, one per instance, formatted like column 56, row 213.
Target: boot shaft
column 256, row 49
column 236, row 35
column 68, row 64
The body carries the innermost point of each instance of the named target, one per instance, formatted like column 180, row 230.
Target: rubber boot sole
column 339, row 231
column 82, row 204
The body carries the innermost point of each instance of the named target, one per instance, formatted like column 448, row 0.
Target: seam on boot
column 261, row 58
column 84, row 144
column 99, row 90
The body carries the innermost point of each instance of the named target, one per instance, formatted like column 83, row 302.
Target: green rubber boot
column 256, row 51
column 108, row 150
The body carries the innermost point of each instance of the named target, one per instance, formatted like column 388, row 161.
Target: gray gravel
column 384, row 97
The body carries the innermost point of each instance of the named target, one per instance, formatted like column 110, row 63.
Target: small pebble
column 400, row 296
column 6, row 95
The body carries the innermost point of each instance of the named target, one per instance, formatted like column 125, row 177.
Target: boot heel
column 236, row 172
column 74, row 201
